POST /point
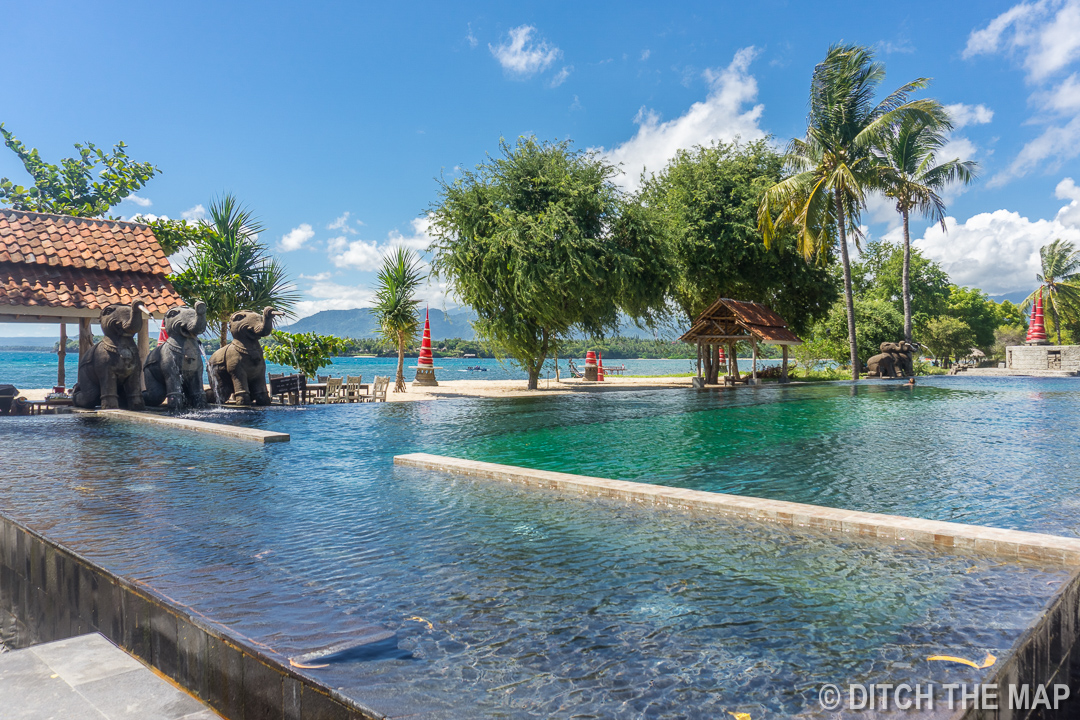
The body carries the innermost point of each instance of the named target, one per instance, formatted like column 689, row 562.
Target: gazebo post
column 698, row 358
column 783, row 369
column 61, row 356
column 753, row 353
column 734, row 361
column 86, row 338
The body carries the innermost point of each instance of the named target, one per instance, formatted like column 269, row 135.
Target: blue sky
column 332, row 121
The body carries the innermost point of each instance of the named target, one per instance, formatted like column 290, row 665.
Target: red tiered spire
column 425, row 359
column 1037, row 328
column 723, row 355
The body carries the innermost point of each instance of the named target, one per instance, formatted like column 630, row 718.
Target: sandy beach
column 499, row 388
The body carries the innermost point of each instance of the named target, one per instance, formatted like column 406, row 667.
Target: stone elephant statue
column 902, row 353
column 174, row 369
column 110, row 371
column 239, row 370
column 881, row 365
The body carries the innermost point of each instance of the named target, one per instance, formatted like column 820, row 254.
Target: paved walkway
column 88, row 678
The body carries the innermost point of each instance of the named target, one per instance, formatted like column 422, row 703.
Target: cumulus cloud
column 521, row 57
column 560, row 77
column 194, row 214
column 368, row 254
column 140, row 201
column 295, row 238
column 999, row 251
column 963, row 115
column 322, row 294
column 342, row 224
column 723, row 115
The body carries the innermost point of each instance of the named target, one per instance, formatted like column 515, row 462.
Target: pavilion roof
column 727, row 320
column 54, row 266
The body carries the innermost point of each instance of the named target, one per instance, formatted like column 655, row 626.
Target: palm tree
column 230, row 270
column 834, row 166
column 395, row 307
column 1061, row 278
column 906, row 157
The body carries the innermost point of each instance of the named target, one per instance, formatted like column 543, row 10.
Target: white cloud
column 522, row 58
column 325, row 295
column 295, row 238
column 963, row 115
column 645, row 54
column 140, row 201
column 368, row 254
column 194, row 214
column 342, row 223
column 470, row 38
column 722, row 115
column 999, row 251
column 560, row 77
column 1054, row 146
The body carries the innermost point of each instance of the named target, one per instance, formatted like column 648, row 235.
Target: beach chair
column 334, row 392
column 574, row 372
column 322, row 378
column 7, row 398
column 354, row 393
column 378, row 391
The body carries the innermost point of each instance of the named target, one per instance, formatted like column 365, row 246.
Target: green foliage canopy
column 947, row 336
column 540, row 241
column 306, row 352
column 708, row 199
column 879, row 274
column 175, row 235
column 876, row 321
column 71, row 187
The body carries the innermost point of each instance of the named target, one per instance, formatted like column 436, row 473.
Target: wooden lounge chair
column 378, row 391
column 322, row 378
column 7, row 398
column 354, row 391
column 334, row 392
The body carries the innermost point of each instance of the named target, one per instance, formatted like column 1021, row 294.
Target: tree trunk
column 848, row 297
column 1053, row 312
column 223, row 333
column 907, row 278
column 538, row 363
column 399, row 386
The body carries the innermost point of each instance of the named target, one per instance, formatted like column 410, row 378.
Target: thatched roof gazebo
column 58, row 268
column 725, row 323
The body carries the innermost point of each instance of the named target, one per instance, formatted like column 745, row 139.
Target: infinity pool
column 509, row 603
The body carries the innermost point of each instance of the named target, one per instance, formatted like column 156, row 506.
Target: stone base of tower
column 426, row 377
column 1043, row 357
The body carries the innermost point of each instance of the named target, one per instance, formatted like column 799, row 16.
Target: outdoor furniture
column 379, row 391
column 294, row 386
column 332, row 392
column 355, row 390
column 322, row 378
column 314, row 391
column 7, row 397
column 574, row 372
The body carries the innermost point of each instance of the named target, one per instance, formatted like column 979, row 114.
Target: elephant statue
column 174, row 369
column 882, row 365
column 109, row 372
column 238, row 369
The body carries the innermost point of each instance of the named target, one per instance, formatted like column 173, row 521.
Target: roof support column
column 61, row 357
column 753, row 352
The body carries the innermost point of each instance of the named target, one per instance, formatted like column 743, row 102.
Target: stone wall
column 1033, row 358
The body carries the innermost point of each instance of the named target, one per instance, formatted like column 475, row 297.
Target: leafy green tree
column 947, row 336
column 876, row 321
column 71, row 188
column 1006, row 335
column 1009, row 313
column 306, row 352
column 395, row 307
column 540, row 242
column 230, row 270
column 977, row 311
column 834, row 166
column 912, row 178
column 880, row 274
column 175, row 235
column 708, row 199
column 1060, row 278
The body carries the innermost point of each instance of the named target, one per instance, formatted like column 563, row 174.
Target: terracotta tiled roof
column 57, row 287
column 57, row 262
column 64, row 241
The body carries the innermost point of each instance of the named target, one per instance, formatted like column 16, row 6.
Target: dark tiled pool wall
column 1046, row 654
column 49, row 593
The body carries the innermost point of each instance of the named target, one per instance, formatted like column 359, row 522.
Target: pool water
column 508, row 602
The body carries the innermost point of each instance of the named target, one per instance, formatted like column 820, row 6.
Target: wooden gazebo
column 727, row 322
column 61, row 269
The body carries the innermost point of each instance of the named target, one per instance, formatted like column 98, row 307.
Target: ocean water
column 506, row 602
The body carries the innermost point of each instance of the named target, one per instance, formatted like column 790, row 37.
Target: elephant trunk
column 200, row 322
column 267, row 325
column 134, row 323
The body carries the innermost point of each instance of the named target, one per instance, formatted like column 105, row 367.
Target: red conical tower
column 1037, row 328
column 425, row 364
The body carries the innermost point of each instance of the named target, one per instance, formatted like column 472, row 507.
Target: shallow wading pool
column 524, row 603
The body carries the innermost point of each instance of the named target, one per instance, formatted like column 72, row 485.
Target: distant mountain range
column 360, row 323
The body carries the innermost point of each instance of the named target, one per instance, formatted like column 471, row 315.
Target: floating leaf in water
column 987, row 662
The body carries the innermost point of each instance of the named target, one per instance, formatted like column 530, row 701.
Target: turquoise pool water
column 506, row 602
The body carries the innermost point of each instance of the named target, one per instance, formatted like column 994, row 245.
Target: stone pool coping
column 1012, row 544
column 175, row 423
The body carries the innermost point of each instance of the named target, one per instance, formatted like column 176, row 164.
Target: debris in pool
column 987, row 662
column 739, row 716
column 419, row 619
column 365, row 647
